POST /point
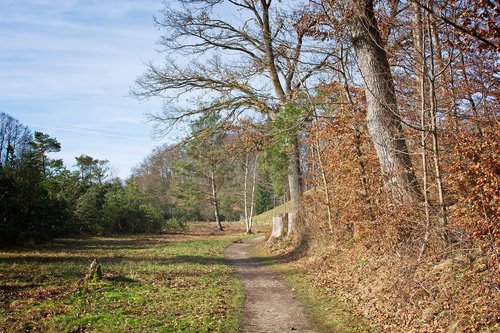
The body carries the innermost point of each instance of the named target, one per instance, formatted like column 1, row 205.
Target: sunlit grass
column 267, row 217
column 151, row 284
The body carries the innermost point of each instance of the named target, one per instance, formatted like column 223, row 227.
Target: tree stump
column 94, row 272
column 279, row 226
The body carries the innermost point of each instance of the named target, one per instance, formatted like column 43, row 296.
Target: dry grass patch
column 325, row 311
column 394, row 292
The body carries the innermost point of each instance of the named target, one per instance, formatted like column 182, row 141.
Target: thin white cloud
column 70, row 63
column 62, row 63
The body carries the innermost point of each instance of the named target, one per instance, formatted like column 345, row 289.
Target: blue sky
column 66, row 67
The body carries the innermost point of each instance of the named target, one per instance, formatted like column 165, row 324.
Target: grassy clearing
column 267, row 217
column 325, row 313
column 175, row 283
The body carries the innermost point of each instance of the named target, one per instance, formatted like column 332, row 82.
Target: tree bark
column 435, row 144
column 294, row 176
column 421, row 74
column 383, row 118
column 357, row 139
column 215, row 202
column 245, row 195
column 249, row 202
column 278, row 227
column 252, row 197
column 294, row 184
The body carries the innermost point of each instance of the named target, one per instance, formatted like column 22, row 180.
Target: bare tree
column 256, row 58
column 154, row 175
column 14, row 139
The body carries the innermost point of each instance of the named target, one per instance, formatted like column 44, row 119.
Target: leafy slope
column 394, row 292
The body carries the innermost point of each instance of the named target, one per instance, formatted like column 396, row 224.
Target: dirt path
column 270, row 306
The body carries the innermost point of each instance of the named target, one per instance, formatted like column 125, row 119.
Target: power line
column 86, row 130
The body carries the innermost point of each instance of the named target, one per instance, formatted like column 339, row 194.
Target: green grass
column 325, row 313
column 150, row 284
column 267, row 217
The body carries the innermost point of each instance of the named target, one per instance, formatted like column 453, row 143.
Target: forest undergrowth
column 407, row 267
column 449, row 289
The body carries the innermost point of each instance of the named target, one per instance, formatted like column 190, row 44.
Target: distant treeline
column 41, row 198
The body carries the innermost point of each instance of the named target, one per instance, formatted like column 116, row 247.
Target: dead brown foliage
column 384, row 260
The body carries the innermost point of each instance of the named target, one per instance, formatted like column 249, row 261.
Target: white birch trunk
column 215, row 202
column 252, row 198
column 245, row 196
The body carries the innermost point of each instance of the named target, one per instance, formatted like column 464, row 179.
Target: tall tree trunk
column 252, row 197
column 245, row 190
column 215, row 202
column 435, row 145
column 245, row 196
column 421, row 75
column 294, row 184
column 326, row 188
column 357, row 138
column 383, row 119
column 294, row 175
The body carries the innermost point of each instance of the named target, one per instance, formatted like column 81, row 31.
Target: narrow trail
column 270, row 306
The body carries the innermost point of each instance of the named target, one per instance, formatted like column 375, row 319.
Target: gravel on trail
column 270, row 306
